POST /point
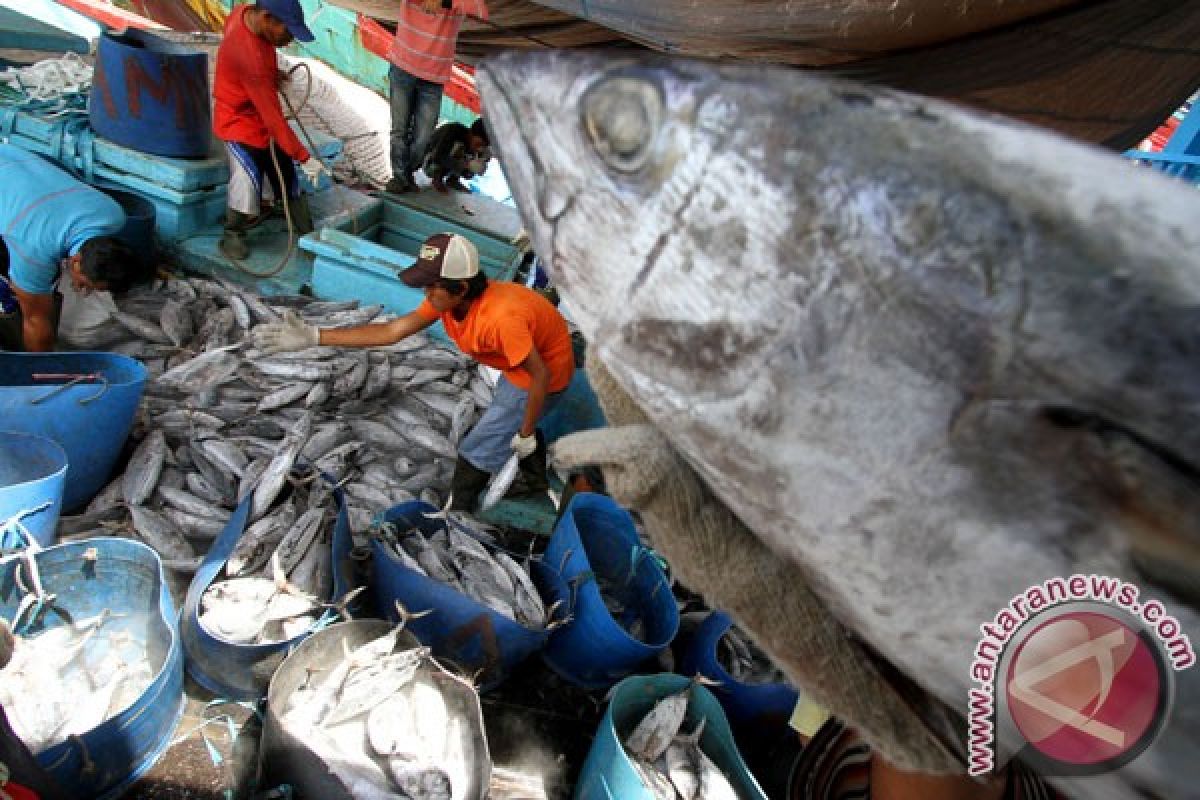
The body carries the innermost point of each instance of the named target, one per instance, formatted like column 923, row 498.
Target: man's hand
column 314, row 169
column 521, row 240
column 291, row 334
column 524, row 446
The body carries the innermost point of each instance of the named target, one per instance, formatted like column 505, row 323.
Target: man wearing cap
column 503, row 325
column 248, row 117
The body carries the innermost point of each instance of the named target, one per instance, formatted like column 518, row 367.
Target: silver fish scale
column 160, row 533
column 276, row 472
column 186, row 501
column 145, row 465
column 142, row 327
column 379, row 435
column 176, row 322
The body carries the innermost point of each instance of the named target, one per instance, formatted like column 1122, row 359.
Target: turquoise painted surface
column 45, row 25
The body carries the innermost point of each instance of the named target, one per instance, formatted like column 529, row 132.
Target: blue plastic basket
column 596, row 538
column 608, row 773
column 460, row 629
column 243, row 671
column 89, row 420
column 126, row 578
column 755, row 707
column 32, row 470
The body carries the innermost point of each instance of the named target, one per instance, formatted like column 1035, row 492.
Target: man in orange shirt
column 503, row 325
column 248, row 117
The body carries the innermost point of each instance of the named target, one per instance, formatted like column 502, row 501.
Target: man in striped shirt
column 422, row 57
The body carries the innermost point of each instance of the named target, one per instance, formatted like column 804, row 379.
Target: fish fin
column 407, row 616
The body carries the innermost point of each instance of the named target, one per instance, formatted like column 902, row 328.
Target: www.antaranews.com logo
column 1080, row 670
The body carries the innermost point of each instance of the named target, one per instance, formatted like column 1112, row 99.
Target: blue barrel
column 138, row 232
column 243, row 671
column 126, row 578
column 755, row 707
column 151, row 95
column 459, row 629
column 32, row 470
column 608, row 774
column 596, row 538
column 90, row 420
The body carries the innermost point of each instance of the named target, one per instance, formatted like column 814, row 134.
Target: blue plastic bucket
column 89, row 420
column 151, row 95
column 243, row 671
column 459, row 629
column 126, row 578
column 138, row 232
column 594, row 539
column 608, row 773
column 755, row 707
column 32, row 469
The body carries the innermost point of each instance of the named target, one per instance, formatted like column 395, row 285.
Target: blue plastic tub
column 608, row 774
column 32, row 470
column 594, row 539
column 138, row 232
column 89, row 420
column 243, row 671
column 125, row 577
column 460, row 629
column 152, row 95
column 750, row 706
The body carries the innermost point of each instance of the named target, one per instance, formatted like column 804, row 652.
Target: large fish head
column 599, row 152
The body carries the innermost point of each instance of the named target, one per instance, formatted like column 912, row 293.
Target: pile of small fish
column 392, row 724
column 219, row 420
column 297, row 548
column 69, row 679
column 744, row 661
column 672, row 765
column 456, row 556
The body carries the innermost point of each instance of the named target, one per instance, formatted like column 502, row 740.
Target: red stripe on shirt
column 424, row 44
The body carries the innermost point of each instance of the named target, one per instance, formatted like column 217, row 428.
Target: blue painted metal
column 596, row 540
column 460, row 629
column 32, row 472
column 1180, row 157
column 755, row 707
column 124, row 577
column 90, row 420
column 364, row 264
column 243, row 671
column 608, row 774
column 45, row 25
column 151, row 95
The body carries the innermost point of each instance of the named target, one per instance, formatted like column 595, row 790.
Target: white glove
column 524, row 446
column 314, row 169
column 291, row 334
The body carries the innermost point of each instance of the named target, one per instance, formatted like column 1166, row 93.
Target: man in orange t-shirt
column 503, row 325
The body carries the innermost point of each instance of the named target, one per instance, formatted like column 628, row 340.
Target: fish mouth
column 494, row 78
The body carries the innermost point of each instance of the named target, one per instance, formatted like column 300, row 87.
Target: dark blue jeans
column 415, row 107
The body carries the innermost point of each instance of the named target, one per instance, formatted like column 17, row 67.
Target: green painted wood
column 44, row 25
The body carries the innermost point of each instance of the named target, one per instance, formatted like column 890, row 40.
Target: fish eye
column 622, row 116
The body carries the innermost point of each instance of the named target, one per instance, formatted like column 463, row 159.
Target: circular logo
column 1087, row 691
